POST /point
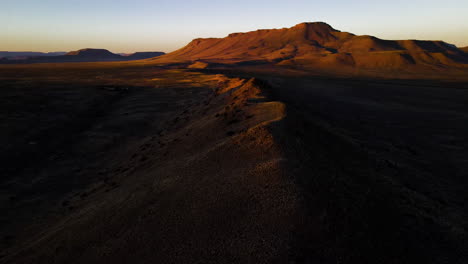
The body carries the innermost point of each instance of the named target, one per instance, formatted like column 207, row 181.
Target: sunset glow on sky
column 166, row 25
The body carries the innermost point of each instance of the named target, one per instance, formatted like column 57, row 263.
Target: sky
column 167, row 25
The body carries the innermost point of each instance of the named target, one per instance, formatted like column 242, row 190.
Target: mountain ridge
column 317, row 44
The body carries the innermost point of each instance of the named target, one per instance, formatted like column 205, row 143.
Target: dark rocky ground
column 383, row 168
column 112, row 163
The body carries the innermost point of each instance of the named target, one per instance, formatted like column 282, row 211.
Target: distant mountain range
column 306, row 46
column 318, row 46
column 83, row 55
column 27, row 54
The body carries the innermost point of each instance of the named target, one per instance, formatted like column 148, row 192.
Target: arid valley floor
column 128, row 162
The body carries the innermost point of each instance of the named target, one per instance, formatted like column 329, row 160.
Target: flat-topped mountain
column 319, row 44
column 94, row 53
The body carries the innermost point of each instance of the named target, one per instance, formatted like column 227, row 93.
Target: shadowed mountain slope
column 144, row 55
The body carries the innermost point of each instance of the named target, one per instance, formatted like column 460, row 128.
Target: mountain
column 85, row 55
column 318, row 45
column 93, row 53
column 144, row 55
column 465, row 49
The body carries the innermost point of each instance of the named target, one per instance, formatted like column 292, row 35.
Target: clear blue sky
column 166, row 25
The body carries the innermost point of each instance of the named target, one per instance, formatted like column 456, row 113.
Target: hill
column 309, row 45
column 465, row 49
